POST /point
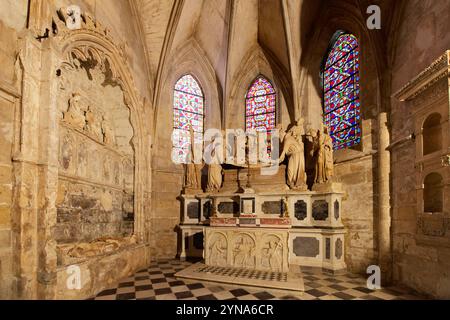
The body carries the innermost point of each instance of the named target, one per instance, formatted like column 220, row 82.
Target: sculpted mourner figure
column 294, row 149
column 215, row 168
column 324, row 159
column 192, row 177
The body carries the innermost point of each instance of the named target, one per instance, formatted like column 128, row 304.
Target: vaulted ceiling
column 227, row 29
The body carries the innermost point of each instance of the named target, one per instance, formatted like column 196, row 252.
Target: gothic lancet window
column 260, row 107
column 340, row 75
column 188, row 109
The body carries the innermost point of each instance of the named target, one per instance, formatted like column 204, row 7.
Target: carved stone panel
column 244, row 247
column 434, row 226
column 249, row 248
column 217, row 249
column 272, row 252
column 300, row 210
column 306, row 247
column 320, row 210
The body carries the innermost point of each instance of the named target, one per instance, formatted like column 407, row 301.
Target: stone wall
column 62, row 179
column 12, row 20
column 96, row 159
column 423, row 37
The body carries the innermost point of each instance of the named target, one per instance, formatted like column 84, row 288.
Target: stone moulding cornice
column 438, row 70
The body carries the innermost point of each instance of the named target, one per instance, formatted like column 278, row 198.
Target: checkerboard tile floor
column 157, row 282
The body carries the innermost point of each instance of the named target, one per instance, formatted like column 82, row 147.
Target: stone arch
column 431, row 134
column 343, row 17
column 93, row 44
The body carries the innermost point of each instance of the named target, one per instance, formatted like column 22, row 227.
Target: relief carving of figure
column 75, row 114
column 218, row 252
column 324, row 156
column 192, row 170
column 244, row 252
column 294, row 149
column 108, row 133
column 93, row 125
column 215, row 168
column 272, row 255
column 66, row 153
column 82, row 161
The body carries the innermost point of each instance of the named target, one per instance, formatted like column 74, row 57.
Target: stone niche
column 96, row 157
column 428, row 97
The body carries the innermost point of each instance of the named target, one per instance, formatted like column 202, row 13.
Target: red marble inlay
column 275, row 221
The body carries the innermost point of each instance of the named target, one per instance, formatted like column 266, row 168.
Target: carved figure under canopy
column 108, row 133
column 93, row 125
column 75, row 112
column 293, row 148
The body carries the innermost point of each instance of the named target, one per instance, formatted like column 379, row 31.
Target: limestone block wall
column 41, row 185
column 422, row 38
column 12, row 20
column 358, row 208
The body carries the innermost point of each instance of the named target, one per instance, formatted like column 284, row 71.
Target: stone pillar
column 48, row 170
column 384, row 208
column 26, row 166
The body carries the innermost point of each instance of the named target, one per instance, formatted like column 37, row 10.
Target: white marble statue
column 293, row 148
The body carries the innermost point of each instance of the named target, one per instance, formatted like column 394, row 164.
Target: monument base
column 244, row 277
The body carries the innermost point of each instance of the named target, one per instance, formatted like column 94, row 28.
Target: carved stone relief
column 272, row 253
column 96, row 167
column 218, row 250
column 250, row 248
column 244, row 251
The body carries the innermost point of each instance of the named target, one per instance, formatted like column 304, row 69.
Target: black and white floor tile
column 157, row 282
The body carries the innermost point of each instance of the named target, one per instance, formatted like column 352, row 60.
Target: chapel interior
column 128, row 131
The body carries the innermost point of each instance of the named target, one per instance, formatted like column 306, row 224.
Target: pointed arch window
column 188, row 109
column 260, row 108
column 341, row 91
column 260, row 105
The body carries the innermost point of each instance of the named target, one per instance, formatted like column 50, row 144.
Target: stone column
column 26, row 167
column 48, row 170
column 384, row 208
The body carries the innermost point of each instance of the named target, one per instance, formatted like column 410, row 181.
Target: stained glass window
column 260, row 107
column 341, row 92
column 188, row 109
